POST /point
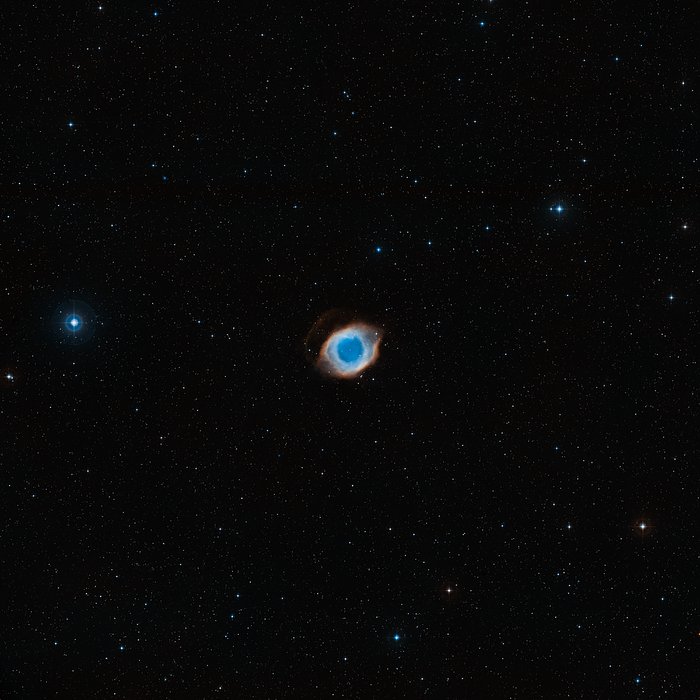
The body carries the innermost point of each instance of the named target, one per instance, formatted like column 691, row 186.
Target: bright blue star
column 637, row 680
column 73, row 323
column 378, row 249
column 558, row 208
column 396, row 637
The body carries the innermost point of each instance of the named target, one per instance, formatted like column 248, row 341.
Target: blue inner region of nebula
column 350, row 349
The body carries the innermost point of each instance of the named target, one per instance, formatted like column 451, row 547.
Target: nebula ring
column 349, row 350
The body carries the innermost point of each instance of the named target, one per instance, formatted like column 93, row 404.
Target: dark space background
column 505, row 505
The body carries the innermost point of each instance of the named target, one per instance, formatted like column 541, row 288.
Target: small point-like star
column 397, row 637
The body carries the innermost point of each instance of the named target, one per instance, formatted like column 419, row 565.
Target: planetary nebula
column 350, row 350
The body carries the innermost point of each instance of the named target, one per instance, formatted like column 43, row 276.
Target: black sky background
column 190, row 510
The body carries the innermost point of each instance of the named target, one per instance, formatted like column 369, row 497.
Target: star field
column 503, row 505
